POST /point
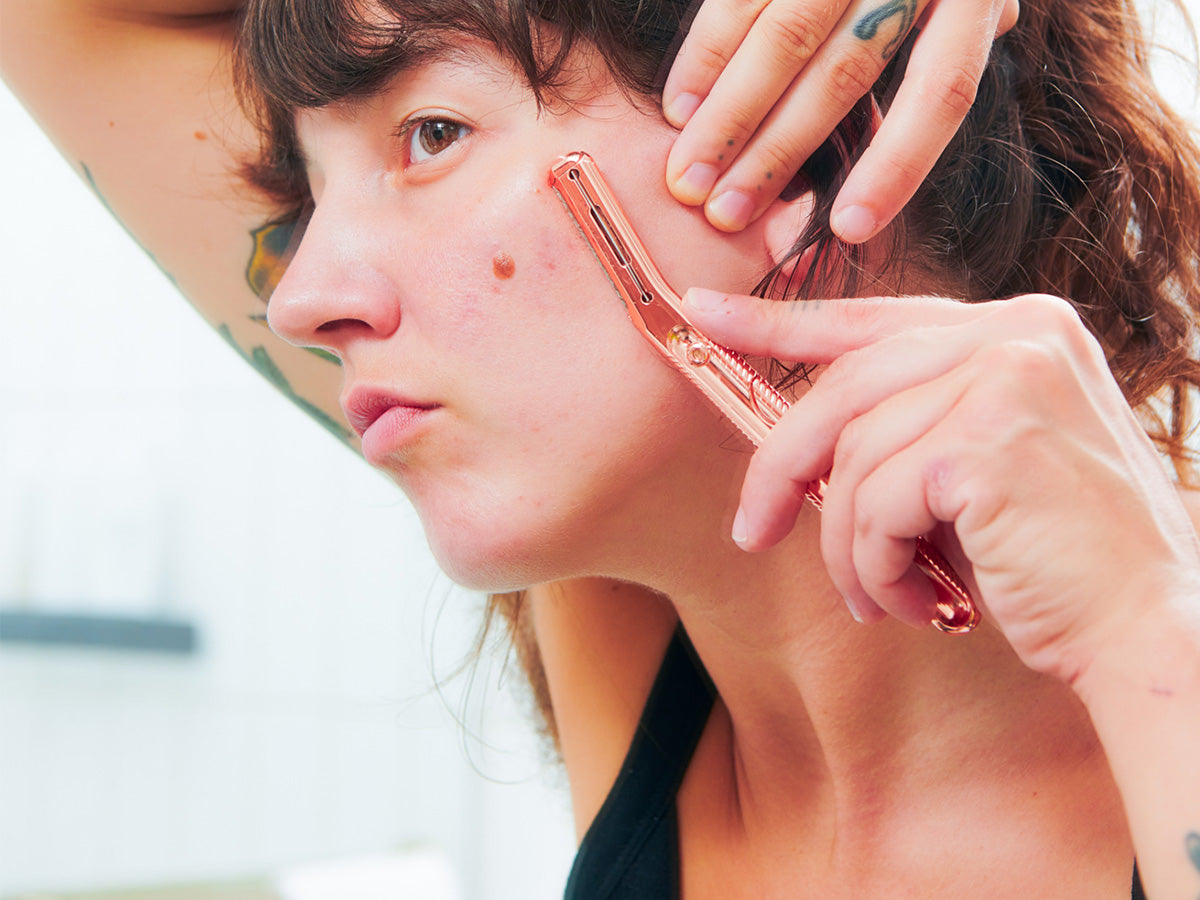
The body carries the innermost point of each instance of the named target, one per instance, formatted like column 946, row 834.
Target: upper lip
column 363, row 405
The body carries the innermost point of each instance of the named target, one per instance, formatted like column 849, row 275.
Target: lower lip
column 391, row 431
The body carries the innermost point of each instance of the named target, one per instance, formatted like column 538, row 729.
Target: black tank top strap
column 631, row 850
column 1138, row 892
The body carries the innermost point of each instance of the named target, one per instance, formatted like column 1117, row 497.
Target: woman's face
column 536, row 433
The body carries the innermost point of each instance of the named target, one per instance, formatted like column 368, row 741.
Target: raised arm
column 138, row 96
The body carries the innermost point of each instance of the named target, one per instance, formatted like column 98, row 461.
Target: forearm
column 1144, row 700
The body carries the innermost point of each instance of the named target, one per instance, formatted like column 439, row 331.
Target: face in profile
column 486, row 357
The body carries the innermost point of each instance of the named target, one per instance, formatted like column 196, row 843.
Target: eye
column 433, row 135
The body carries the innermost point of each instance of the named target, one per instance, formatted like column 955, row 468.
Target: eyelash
column 409, row 131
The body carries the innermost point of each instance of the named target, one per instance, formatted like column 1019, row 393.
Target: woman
column 495, row 378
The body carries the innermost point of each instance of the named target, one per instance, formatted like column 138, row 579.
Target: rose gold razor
column 739, row 392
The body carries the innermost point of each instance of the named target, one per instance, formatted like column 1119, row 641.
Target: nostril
column 340, row 325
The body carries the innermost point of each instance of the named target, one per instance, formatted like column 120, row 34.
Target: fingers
column 817, row 331
column 875, row 503
column 760, row 84
column 939, row 86
column 884, row 422
column 768, row 108
column 896, row 346
column 1008, row 17
column 719, row 28
column 832, row 420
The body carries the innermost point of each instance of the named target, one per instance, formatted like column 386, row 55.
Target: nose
column 336, row 288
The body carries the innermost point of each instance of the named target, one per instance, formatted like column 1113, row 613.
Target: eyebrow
column 436, row 47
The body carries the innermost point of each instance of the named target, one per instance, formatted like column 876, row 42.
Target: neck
column 828, row 716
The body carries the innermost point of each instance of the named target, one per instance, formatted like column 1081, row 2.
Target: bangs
column 298, row 54
column 304, row 54
column 309, row 53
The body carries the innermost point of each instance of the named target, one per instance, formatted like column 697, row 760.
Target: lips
column 383, row 420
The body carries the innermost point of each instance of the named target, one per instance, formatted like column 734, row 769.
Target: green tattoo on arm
column 260, row 359
column 87, row 174
column 268, row 262
column 868, row 26
column 1192, row 845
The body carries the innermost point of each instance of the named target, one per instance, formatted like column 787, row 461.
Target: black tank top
column 631, row 850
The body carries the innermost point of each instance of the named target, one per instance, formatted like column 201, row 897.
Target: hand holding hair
column 757, row 87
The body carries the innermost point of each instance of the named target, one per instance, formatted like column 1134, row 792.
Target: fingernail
column 854, row 224
column 697, row 181
column 731, row 211
column 704, row 300
column 863, row 609
column 738, row 532
column 681, row 109
column 857, row 616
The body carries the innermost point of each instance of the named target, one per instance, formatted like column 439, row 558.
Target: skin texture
column 841, row 757
column 420, row 317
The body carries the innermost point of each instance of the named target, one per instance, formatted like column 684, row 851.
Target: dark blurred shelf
column 145, row 634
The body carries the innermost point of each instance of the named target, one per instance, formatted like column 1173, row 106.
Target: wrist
column 1154, row 653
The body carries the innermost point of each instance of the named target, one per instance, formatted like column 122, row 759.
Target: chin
column 489, row 575
column 494, row 565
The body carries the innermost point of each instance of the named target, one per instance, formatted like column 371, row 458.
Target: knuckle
column 901, row 166
column 772, row 154
column 1021, row 362
column 706, row 52
column 1058, row 319
column 848, row 76
column 863, row 318
column 798, row 32
column 771, row 480
column 982, row 501
column 1047, row 312
column 850, row 442
column 952, row 88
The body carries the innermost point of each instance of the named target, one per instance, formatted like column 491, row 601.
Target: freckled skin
column 503, row 265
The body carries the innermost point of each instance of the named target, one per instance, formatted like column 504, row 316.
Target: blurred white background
column 145, row 469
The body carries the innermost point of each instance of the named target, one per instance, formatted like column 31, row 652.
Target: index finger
column 816, row 331
column 719, row 28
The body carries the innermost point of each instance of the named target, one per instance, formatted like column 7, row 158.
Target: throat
column 994, row 783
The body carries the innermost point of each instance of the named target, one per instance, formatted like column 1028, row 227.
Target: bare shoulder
column 601, row 644
column 142, row 105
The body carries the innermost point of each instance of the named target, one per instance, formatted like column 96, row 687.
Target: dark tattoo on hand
column 868, row 26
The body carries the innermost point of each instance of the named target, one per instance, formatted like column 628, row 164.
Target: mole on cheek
column 503, row 265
